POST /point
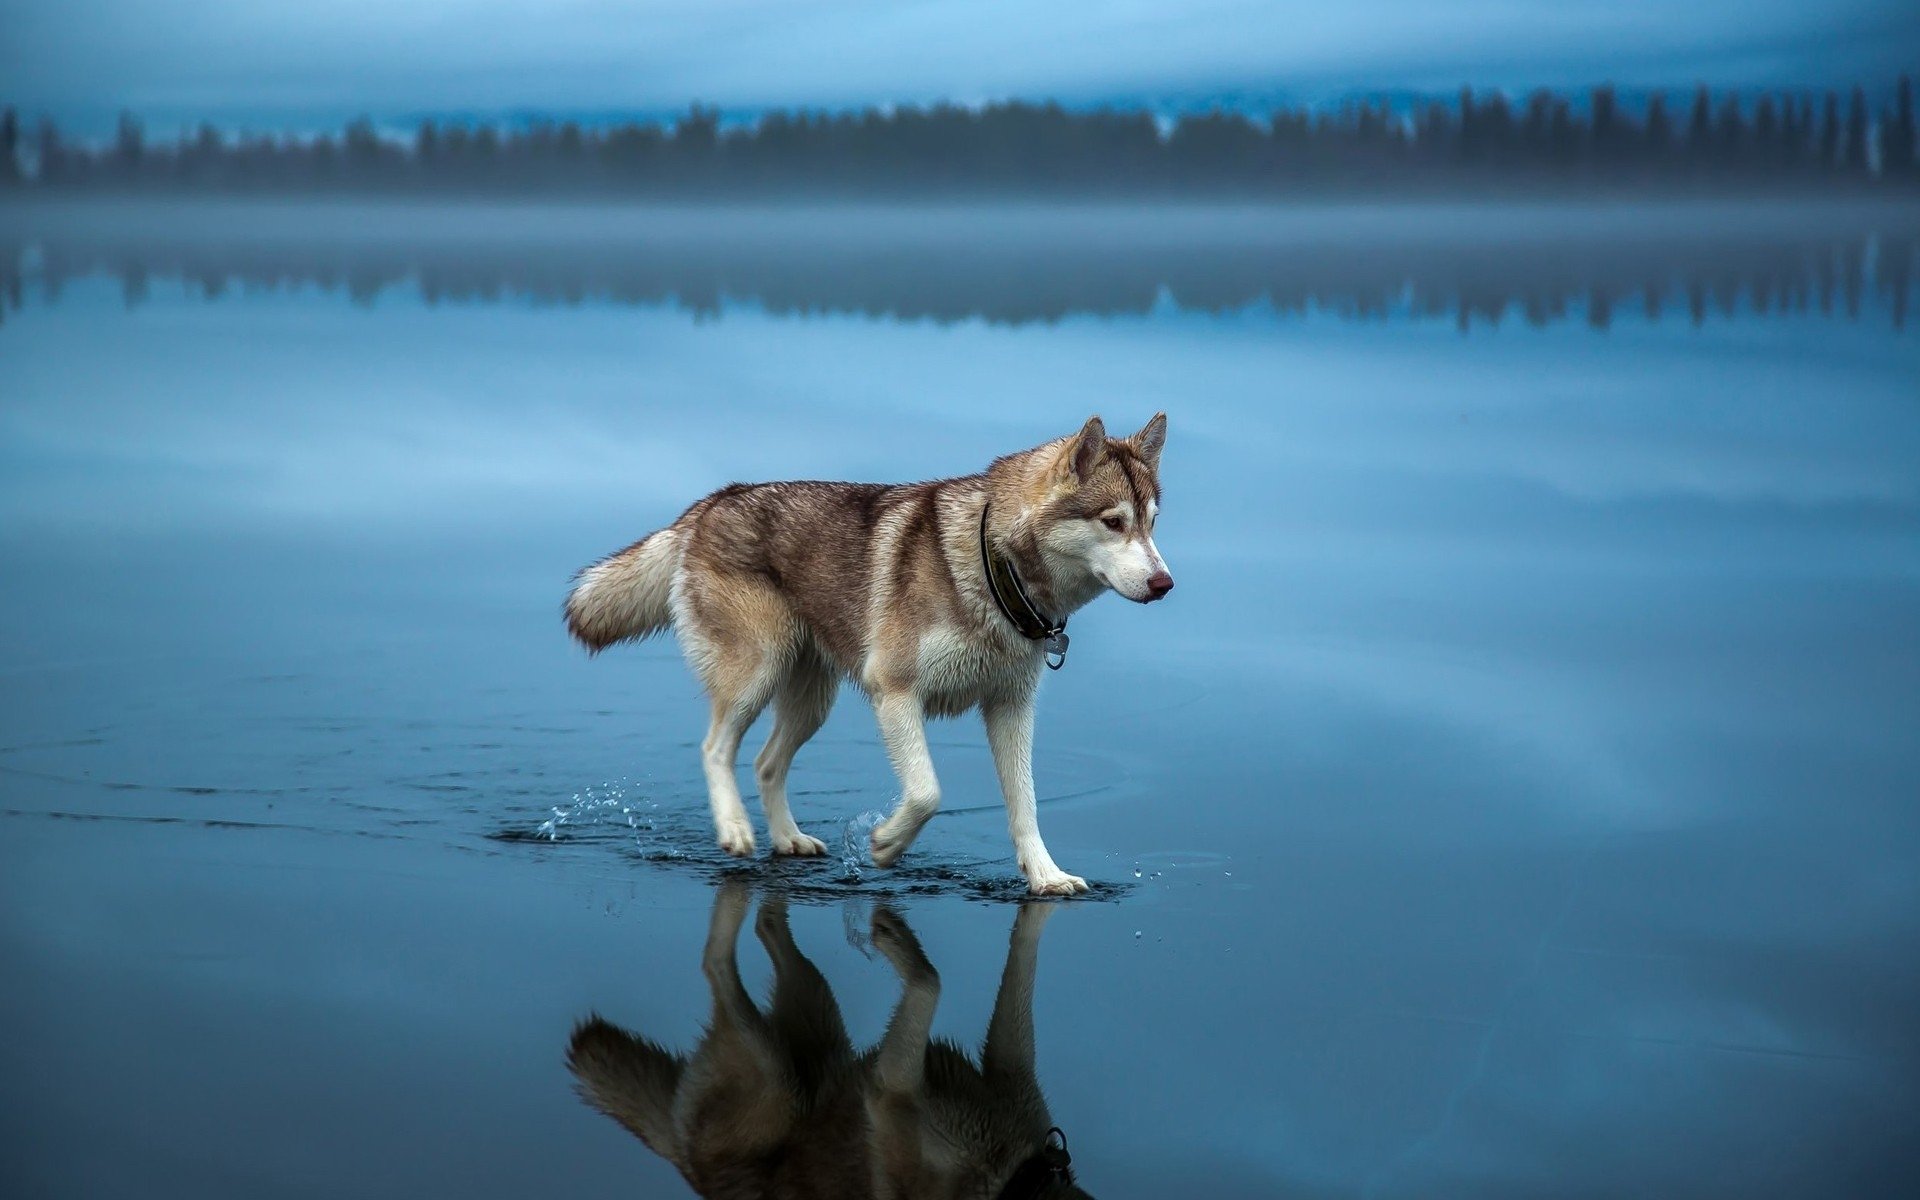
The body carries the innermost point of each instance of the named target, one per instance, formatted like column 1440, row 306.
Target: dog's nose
column 1159, row 585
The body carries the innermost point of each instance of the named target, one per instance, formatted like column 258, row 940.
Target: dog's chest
column 958, row 671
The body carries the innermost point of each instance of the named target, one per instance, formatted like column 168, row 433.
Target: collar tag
column 1056, row 649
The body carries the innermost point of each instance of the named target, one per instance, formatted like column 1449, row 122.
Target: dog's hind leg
column 732, row 714
column 741, row 639
column 719, row 961
column 805, row 1018
column 738, row 1068
column 800, row 707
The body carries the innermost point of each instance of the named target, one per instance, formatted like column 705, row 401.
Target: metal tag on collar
column 1056, row 649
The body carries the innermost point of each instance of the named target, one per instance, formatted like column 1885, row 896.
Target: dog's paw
column 1055, row 883
column 798, row 844
column 885, row 851
column 771, row 922
column 736, row 837
column 893, row 939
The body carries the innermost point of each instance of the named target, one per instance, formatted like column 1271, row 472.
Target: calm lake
column 1517, row 796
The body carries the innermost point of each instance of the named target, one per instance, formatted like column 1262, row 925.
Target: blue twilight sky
column 278, row 60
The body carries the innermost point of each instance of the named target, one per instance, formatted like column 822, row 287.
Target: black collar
column 1049, row 1165
column 1010, row 597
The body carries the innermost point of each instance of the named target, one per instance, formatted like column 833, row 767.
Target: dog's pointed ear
column 1151, row 439
column 1083, row 454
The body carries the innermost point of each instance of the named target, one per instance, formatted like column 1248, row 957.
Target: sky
column 286, row 61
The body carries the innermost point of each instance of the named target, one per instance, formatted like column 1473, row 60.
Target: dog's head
column 1104, row 502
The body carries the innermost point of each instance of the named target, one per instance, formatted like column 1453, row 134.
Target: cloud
column 493, row 55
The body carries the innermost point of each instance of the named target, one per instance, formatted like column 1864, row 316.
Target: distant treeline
column 1794, row 141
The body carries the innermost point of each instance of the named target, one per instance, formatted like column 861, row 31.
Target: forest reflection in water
column 1477, row 267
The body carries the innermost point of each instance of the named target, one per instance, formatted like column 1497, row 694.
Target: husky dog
column 934, row 598
column 778, row 1103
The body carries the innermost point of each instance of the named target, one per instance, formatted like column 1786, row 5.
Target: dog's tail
column 631, row 1080
column 627, row 595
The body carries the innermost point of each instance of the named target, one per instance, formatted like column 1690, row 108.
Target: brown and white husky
column 933, row 598
column 777, row 1104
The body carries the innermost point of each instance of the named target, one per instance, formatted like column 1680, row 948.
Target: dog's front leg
column 1010, row 733
column 900, row 1060
column 903, row 727
column 896, row 1101
column 1008, row 1052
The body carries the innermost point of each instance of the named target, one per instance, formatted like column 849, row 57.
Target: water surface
column 1515, row 797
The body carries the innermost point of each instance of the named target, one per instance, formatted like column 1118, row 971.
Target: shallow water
column 1516, row 796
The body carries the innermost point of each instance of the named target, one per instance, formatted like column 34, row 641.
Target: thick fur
column 779, row 591
column 627, row 595
column 778, row 1103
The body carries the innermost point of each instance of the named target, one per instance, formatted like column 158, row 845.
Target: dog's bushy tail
column 627, row 595
column 630, row 1079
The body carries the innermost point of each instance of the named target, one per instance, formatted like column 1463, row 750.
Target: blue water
column 1516, row 797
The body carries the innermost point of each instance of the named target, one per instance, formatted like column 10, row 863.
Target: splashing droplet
column 856, row 842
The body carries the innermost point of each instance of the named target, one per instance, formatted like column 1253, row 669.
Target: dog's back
column 798, row 552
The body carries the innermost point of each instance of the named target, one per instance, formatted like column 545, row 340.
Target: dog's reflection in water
column 779, row 1103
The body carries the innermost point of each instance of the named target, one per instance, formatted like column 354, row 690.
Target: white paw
column 1055, row 882
column 736, row 837
column 798, row 844
column 885, row 851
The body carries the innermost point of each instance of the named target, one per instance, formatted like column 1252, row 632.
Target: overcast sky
column 281, row 59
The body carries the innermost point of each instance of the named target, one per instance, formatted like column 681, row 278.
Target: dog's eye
column 1114, row 523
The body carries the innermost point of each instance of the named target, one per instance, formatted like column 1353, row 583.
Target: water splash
column 856, row 844
column 604, row 805
column 674, row 831
column 855, row 922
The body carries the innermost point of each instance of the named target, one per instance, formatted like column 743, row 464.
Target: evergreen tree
column 1896, row 135
column 426, row 151
column 1495, row 119
column 1659, row 131
column 1468, row 141
column 1431, row 135
column 204, row 160
column 1564, row 138
column 486, row 153
column 51, row 154
column 1606, row 123
column 1793, row 134
column 9, row 147
column 1730, row 132
column 1700, row 127
column 569, row 145
column 1536, row 127
column 1766, row 135
column 129, row 145
column 1855, row 148
column 1829, row 148
column 364, row 154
